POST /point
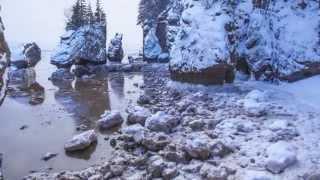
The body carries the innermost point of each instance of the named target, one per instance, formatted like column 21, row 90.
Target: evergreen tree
column 75, row 20
column 90, row 15
column 83, row 12
column 100, row 16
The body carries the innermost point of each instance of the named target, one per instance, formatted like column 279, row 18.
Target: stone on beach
column 26, row 56
column 110, row 119
column 281, row 155
column 162, row 122
column 138, row 115
column 81, row 141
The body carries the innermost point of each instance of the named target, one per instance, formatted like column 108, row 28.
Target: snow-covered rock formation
column 279, row 39
column 86, row 45
column 209, row 40
column 115, row 50
column 4, row 49
column 4, row 59
column 26, row 56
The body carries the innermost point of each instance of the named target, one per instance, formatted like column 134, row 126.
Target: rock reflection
column 117, row 81
column 85, row 99
column 23, row 84
column 84, row 154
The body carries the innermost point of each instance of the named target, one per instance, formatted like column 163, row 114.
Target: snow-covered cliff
column 271, row 40
column 4, row 61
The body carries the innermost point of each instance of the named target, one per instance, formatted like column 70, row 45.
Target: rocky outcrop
column 26, row 56
column 4, row 61
column 115, row 50
column 209, row 40
column 272, row 43
column 198, row 53
column 86, row 45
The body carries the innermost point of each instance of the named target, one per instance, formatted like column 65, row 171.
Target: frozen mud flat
column 247, row 130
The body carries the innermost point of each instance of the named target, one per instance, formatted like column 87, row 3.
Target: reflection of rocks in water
column 117, row 83
column 83, row 154
column 23, row 84
column 86, row 101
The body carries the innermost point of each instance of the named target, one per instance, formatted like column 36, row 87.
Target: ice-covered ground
column 242, row 131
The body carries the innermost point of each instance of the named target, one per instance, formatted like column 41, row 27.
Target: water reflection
column 116, row 81
column 23, row 85
column 85, row 155
column 84, row 99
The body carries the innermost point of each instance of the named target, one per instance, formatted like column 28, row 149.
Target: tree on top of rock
column 100, row 16
column 90, row 15
column 82, row 14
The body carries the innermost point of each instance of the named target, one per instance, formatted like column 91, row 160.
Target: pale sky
column 43, row 21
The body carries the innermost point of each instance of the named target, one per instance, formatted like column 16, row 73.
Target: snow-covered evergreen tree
column 82, row 14
column 100, row 16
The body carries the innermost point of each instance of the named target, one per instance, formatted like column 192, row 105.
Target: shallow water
column 53, row 122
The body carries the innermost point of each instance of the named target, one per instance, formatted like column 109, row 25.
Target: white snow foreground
column 280, row 143
column 85, row 45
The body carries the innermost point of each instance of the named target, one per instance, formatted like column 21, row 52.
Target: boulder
column 211, row 172
column 138, row 115
column 198, row 146
column 110, row 119
column 155, row 141
column 86, row 45
column 62, row 74
column 281, row 155
column 81, row 141
column 136, row 132
column 26, row 56
column 162, row 122
column 115, row 50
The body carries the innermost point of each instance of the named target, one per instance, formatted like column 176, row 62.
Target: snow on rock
column 26, row 56
column 4, row 49
column 152, row 48
column 281, row 155
column 254, row 103
column 81, row 141
column 110, row 119
column 138, row 115
column 256, row 175
column 162, row 122
column 136, row 131
column 198, row 146
column 198, row 54
column 87, row 45
column 115, row 50
column 272, row 40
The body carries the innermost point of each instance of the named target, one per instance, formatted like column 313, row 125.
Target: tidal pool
column 48, row 125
